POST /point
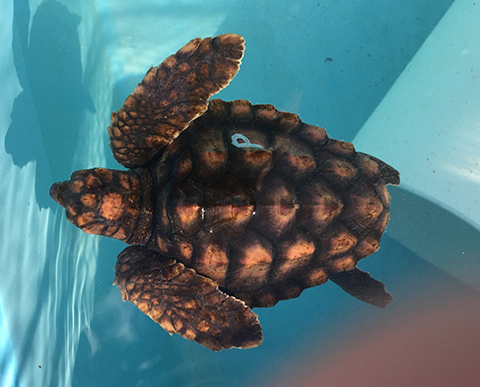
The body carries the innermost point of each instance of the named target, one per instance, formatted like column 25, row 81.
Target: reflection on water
column 8, row 364
column 46, row 287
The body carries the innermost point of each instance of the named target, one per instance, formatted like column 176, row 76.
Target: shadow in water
column 48, row 63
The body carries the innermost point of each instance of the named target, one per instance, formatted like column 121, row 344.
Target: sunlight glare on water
column 47, row 292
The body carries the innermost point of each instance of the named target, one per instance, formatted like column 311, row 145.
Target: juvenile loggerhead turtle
column 247, row 207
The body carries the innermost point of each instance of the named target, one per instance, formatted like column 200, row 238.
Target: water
column 361, row 70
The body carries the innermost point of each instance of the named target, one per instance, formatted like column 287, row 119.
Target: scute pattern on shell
column 266, row 204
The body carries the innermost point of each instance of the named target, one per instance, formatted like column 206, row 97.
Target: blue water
column 65, row 65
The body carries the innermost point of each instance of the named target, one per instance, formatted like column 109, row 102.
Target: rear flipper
column 184, row 302
column 360, row 285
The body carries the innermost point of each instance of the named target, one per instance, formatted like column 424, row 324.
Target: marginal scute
column 367, row 246
column 266, row 297
column 363, row 207
column 382, row 194
column 342, row 264
column 338, row 242
column 312, row 134
column 265, row 114
column 368, row 166
column 314, row 277
column 290, row 289
column 241, row 110
column 382, row 221
column 288, row 122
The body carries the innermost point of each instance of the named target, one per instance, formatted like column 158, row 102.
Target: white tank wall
column 428, row 127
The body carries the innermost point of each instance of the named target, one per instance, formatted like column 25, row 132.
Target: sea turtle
column 247, row 207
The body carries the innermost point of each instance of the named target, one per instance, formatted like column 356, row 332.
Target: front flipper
column 184, row 302
column 360, row 285
column 172, row 95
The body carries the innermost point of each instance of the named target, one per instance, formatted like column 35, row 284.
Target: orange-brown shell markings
column 241, row 111
column 265, row 114
column 315, row 276
column 367, row 165
column 93, row 181
column 183, row 302
column 337, row 241
column 295, row 159
column 312, row 134
column 212, row 258
column 184, row 166
column 367, row 246
column 381, row 223
column 294, row 254
column 289, row 204
column 183, row 250
column 319, row 206
column 276, row 207
column 76, row 186
column 340, row 147
column 187, row 212
column 230, row 213
column 363, row 206
column 191, row 210
column 343, row 263
column 252, row 256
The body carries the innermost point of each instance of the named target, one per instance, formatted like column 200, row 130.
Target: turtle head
column 108, row 202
